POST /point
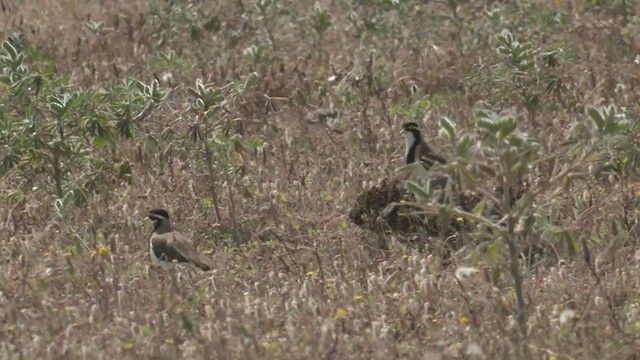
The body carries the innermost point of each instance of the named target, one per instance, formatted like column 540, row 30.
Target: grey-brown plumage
column 417, row 149
column 168, row 247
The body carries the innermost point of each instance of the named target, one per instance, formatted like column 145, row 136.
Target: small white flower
column 566, row 316
column 463, row 272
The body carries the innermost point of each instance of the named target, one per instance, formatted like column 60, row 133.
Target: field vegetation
column 271, row 131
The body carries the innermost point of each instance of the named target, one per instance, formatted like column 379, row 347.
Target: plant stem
column 57, row 172
column 212, row 182
column 514, row 264
column 232, row 210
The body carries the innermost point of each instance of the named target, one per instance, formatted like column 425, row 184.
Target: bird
column 417, row 149
column 168, row 247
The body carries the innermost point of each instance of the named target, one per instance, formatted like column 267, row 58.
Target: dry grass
column 294, row 278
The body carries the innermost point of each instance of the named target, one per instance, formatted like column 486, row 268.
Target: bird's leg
column 175, row 281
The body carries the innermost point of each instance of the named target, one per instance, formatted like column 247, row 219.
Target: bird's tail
column 201, row 265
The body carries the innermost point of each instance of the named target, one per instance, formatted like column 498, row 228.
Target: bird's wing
column 185, row 249
column 427, row 156
column 431, row 158
column 164, row 248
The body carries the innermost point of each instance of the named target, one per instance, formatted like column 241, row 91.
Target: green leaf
column 478, row 209
column 123, row 170
column 494, row 250
column 504, row 50
column 516, row 167
column 212, row 98
column 525, row 200
column 463, row 145
column 596, row 117
column 448, row 127
column 417, row 190
column 572, row 245
column 140, row 86
column 70, row 268
column 99, row 141
column 200, row 87
column 10, row 49
column 37, row 84
column 505, row 125
column 123, row 125
column 610, row 113
column 496, row 271
column 487, row 124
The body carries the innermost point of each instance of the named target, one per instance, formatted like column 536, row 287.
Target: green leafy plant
column 55, row 138
column 219, row 144
column 517, row 182
column 177, row 15
column 524, row 75
column 195, row 24
column 415, row 107
column 267, row 12
column 320, row 20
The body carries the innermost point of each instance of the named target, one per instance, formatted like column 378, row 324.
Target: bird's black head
column 411, row 127
column 411, row 132
column 158, row 214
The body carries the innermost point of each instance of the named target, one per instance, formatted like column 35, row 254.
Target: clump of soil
column 367, row 211
column 370, row 204
column 418, row 230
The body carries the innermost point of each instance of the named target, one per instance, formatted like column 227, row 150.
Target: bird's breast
column 156, row 260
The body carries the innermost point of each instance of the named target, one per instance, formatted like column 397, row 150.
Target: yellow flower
column 403, row 201
column 311, row 273
column 460, row 219
column 103, row 250
column 341, row 312
column 464, row 321
column 358, row 297
column 50, row 251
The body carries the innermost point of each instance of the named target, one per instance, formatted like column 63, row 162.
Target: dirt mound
column 370, row 204
column 369, row 212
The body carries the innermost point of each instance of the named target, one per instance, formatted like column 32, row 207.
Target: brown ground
column 293, row 276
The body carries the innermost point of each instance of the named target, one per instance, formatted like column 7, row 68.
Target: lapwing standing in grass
column 416, row 149
column 168, row 247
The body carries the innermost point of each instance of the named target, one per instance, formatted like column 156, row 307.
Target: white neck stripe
column 409, row 141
